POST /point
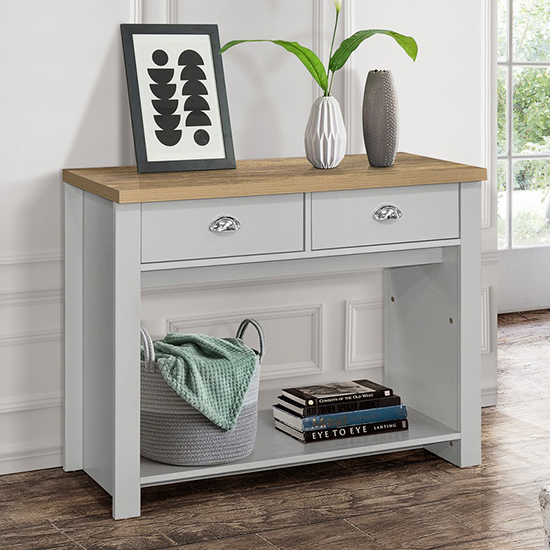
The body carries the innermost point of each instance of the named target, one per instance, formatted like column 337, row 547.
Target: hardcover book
column 343, row 406
column 344, row 431
column 336, row 392
column 337, row 420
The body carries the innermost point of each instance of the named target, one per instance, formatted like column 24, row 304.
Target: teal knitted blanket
column 211, row 374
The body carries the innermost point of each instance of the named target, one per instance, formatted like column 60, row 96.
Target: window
column 523, row 131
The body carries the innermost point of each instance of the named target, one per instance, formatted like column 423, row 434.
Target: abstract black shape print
column 195, row 104
column 165, row 107
column 164, row 104
column 201, row 137
column 194, row 87
column 190, row 57
column 192, row 73
column 178, row 101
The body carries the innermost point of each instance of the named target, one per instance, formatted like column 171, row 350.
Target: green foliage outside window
column 530, row 112
column 531, row 30
column 531, row 116
column 531, row 88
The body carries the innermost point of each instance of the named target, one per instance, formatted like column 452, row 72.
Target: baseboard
column 24, row 458
column 489, row 397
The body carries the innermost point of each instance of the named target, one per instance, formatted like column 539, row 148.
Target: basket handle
column 148, row 348
column 240, row 333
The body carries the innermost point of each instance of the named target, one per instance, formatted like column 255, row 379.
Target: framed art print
column 178, row 102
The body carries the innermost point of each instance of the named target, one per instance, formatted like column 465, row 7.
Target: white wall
column 441, row 94
column 444, row 104
column 64, row 105
column 269, row 92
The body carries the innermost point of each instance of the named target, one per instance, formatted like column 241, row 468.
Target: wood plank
column 332, row 535
column 123, row 184
column 400, row 500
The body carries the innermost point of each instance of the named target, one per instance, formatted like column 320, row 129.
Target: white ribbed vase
column 325, row 137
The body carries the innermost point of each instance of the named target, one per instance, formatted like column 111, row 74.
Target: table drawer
column 181, row 230
column 346, row 218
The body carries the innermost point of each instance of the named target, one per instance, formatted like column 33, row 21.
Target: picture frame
column 177, row 95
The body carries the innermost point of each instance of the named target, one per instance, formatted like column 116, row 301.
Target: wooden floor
column 401, row 501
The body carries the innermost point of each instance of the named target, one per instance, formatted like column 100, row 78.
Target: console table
column 419, row 220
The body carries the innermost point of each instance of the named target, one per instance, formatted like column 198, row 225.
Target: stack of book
column 338, row 410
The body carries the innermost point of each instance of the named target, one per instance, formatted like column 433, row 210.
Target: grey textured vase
column 380, row 118
column 325, row 137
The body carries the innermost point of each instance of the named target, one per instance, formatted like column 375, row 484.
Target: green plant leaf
column 349, row 45
column 310, row 60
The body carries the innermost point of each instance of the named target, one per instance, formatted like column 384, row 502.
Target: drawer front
column 345, row 218
column 180, row 230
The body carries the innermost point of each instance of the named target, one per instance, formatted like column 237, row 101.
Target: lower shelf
column 274, row 449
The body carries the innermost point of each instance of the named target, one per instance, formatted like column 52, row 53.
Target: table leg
column 73, row 304
column 111, row 320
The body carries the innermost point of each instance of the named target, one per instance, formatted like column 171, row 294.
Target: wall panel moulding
column 30, row 402
column 295, row 343
column 486, row 320
column 364, row 320
column 29, row 338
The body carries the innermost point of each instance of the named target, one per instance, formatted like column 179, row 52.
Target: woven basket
column 174, row 432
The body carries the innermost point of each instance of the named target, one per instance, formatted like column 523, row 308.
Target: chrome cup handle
column 387, row 212
column 224, row 224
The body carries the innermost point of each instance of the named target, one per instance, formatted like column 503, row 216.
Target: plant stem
column 330, row 85
column 331, row 50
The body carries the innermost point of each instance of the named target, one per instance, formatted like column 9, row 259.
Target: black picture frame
column 178, row 100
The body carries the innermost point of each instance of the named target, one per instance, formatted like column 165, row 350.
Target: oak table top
column 123, row 184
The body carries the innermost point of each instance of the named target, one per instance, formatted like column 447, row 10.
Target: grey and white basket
column 174, row 432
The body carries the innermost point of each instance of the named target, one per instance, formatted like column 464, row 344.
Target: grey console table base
column 432, row 336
